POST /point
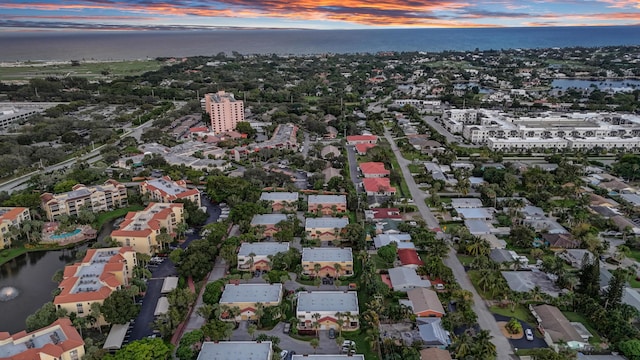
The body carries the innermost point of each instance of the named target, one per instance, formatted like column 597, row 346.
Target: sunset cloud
column 153, row 14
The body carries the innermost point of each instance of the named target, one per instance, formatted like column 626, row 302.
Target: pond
column 626, row 85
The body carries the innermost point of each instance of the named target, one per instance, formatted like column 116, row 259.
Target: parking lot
column 327, row 346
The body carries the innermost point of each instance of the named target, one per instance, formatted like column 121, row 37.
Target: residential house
column 378, row 186
column 466, row 203
column 327, row 205
column 425, row 303
column 373, row 170
column 432, row 333
column 11, row 216
column 281, row 201
column 325, row 228
column 234, row 350
column 575, row 256
column 409, row 258
column 101, row 272
column 257, row 256
column 246, row 297
column 402, row 240
column 404, row 279
column 265, row 224
column 474, row 213
column 556, row 327
column 326, row 308
column 60, row 341
column 381, row 214
column 330, row 261
column 434, row 354
column 560, row 241
column 361, row 149
column 361, row 139
column 141, row 229
column 330, row 173
column 108, row 196
column 166, row 190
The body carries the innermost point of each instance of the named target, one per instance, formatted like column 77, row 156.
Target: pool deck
column 86, row 233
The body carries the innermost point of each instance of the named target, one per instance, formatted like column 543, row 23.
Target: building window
column 79, row 309
column 74, row 355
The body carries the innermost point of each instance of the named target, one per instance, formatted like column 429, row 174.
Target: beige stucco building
column 225, row 112
column 166, row 190
column 327, row 258
column 11, row 216
column 111, row 195
column 59, row 341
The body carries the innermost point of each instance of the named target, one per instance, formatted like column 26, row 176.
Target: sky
column 84, row 15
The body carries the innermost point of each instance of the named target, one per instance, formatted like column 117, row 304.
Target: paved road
column 353, row 167
column 327, row 346
column 418, row 195
column 485, row 317
column 306, row 144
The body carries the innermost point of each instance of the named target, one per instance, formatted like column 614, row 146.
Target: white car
column 529, row 334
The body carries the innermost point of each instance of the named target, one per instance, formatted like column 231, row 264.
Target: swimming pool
column 66, row 235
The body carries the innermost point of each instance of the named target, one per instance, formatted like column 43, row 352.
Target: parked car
column 439, row 286
column 287, row 328
column 529, row 334
column 284, row 354
column 332, row 333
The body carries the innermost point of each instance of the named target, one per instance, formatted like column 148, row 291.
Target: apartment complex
column 60, row 341
column 327, row 205
column 140, row 229
column 325, row 228
column 329, row 261
column 166, row 190
column 224, row 111
column 279, row 201
column 234, row 350
column 331, row 306
column 256, row 256
column 265, row 224
column 246, row 297
column 92, row 280
column 11, row 216
column 111, row 195
column 548, row 130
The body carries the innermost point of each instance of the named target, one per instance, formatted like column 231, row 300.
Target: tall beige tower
column 224, row 111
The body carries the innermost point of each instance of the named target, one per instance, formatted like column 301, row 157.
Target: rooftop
column 406, row 277
column 268, row 219
column 10, row 213
column 378, row 185
column 328, row 357
column 327, row 199
column 373, row 168
column 235, row 350
column 251, row 293
column 466, row 203
column 327, row 254
column 168, row 186
column 326, row 222
column 339, row 301
column 52, row 340
column 263, row 248
column 279, row 196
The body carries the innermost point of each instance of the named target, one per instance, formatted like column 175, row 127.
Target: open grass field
column 89, row 70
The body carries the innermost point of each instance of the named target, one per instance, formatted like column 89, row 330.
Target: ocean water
column 150, row 44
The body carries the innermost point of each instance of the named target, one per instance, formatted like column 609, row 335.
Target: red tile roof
column 377, row 185
column 362, row 148
column 409, row 257
column 386, row 213
column 362, row 138
column 373, row 168
column 73, row 340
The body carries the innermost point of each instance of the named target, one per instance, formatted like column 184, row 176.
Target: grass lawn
column 404, row 189
column 362, row 345
column 520, row 312
column 634, row 283
column 413, row 168
column 474, row 276
column 380, row 264
column 84, row 69
column 10, row 254
column 465, row 259
column 102, row 218
column 577, row 317
column 634, row 254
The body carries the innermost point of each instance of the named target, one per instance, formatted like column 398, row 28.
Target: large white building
column 325, row 308
column 549, row 130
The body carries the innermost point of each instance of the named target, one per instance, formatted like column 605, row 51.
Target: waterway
column 31, row 275
column 625, row 85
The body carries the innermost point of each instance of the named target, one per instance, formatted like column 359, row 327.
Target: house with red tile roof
column 409, row 258
column 101, row 272
column 362, row 139
column 60, row 340
column 378, row 186
column 361, row 149
column 166, row 190
column 373, row 170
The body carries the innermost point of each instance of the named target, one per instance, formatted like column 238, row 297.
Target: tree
column 217, row 330
column 630, row 349
column 314, row 344
column 388, row 253
column 513, row 326
column 119, row 308
column 251, row 329
column 244, row 127
column 187, row 349
column 612, row 296
column 143, row 349
column 589, row 276
column 42, row 317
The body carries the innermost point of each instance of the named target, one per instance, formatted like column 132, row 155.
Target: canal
column 30, row 274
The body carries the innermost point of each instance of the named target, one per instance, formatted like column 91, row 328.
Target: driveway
column 485, row 317
column 523, row 343
column 353, row 167
column 327, row 346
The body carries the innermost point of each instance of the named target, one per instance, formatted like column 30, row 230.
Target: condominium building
column 166, row 190
column 60, row 341
column 224, row 111
column 246, row 297
column 140, row 229
column 111, row 195
column 92, row 280
column 327, row 205
column 325, row 308
column 325, row 228
column 256, row 256
column 266, row 224
column 280, row 201
column 329, row 261
column 234, row 350
column 11, row 216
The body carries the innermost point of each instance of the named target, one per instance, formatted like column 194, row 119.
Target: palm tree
column 314, row 344
column 462, row 345
column 338, row 268
column 250, row 261
column 487, row 349
column 96, row 312
column 251, row 329
column 339, row 322
column 259, row 312
column 316, row 324
column 316, row 269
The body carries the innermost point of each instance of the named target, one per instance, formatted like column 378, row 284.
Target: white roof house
column 279, row 196
column 466, row 203
column 326, row 223
column 234, row 350
column 386, row 239
column 327, row 254
column 263, row 248
column 404, row 278
column 251, row 293
column 333, row 301
column 268, row 219
column 327, row 199
column 474, row 213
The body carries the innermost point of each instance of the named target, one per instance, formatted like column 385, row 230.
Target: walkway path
column 485, row 317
